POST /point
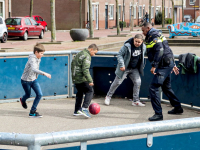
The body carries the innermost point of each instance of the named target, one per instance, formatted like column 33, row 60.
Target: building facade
column 104, row 11
column 5, row 8
column 192, row 8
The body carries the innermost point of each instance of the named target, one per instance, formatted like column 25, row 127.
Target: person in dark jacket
column 130, row 63
column 162, row 61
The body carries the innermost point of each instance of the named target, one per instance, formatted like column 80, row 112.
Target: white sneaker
column 107, row 100
column 138, row 103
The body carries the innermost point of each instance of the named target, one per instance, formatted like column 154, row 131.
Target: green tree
column 91, row 19
column 31, row 8
column 80, row 14
column 173, row 20
column 150, row 4
column 163, row 14
column 117, row 17
column 53, row 22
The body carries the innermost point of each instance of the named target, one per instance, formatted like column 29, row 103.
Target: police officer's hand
column 91, row 84
column 153, row 70
column 122, row 68
column 175, row 70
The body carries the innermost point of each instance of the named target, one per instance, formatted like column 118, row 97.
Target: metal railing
column 35, row 141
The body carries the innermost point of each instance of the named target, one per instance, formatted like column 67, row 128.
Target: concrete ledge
column 96, row 38
column 57, row 42
column 121, row 35
column 7, row 49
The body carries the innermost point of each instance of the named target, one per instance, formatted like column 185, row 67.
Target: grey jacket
column 124, row 57
column 31, row 70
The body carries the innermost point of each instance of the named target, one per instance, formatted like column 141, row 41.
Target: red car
column 24, row 27
column 40, row 20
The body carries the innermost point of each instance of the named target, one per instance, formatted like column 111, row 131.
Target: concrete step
column 184, row 44
column 185, row 41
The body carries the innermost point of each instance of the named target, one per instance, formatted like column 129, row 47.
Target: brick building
column 5, row 8
column 192, row 8
column 104, row 11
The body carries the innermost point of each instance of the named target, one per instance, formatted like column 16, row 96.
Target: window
column 120, row 10
column 33, row 21
column 140, row 11
column 166, row 12
column 92, row 12
column 36, row 18
column 144, row 11
column 152, row 12
column 40, row 19
column 170, row 12
column 134, row 12
column 13, row 21
column 27, row 22
column 1, row 9
column 191, row 2
column 1, row 21
column 111, row 11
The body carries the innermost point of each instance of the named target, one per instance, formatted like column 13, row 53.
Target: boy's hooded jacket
column 124, row 57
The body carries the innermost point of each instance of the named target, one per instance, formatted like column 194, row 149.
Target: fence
column 102, row 69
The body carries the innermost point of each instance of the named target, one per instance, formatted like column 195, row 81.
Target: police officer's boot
column 176, row 110
column 156, row 117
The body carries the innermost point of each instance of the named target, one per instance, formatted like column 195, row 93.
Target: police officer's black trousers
column 162, row 79
column 83, row 88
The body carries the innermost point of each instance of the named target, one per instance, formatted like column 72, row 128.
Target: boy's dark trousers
column 83, row 88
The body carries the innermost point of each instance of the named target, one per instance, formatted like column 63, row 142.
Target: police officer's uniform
column 161, row 57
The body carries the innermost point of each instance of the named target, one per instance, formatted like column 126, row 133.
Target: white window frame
column 170, row 12
column 140, row 11
column 93, row 6
column 111, row 11
column 135, row 12
column 3, row 7
column 166, row 12
column 120, row 11
column 152, row 12
column 191, row 3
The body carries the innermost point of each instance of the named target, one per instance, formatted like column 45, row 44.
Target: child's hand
column 91, row 84
column 122, row 68
column 47, row 75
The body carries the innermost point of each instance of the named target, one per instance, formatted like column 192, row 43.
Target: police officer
column 162, row 61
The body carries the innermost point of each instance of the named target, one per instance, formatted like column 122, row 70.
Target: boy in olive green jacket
column 82, row 79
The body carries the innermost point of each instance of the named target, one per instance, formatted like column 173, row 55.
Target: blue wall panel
column 187, row 87
column 12, row 69
column 103, row 72
column 186, row 141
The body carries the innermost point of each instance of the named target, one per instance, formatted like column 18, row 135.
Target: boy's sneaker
column 23, row 104
column 76, row 114
column 107, row 100
column 138, row 103
column 34, row 114
column 84, row 112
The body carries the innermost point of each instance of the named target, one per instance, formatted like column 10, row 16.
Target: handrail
column 65, row 52
column 35, row 141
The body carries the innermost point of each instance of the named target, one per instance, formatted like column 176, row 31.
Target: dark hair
column 138, row 36
column 146, row 24
column 38, row 48
column 93, row 46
